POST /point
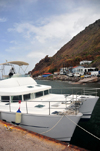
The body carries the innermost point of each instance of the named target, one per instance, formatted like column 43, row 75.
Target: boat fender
column 18, row 117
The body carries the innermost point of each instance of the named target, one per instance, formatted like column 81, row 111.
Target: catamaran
column 40, row 110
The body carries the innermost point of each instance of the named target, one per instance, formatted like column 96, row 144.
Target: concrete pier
column 15, row 138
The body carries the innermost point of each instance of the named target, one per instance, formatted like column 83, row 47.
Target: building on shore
column 82, row 70
column 63, row 70
column 85, row 62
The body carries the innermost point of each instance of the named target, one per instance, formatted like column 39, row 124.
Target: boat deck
column 46, row 105
column 38, row 105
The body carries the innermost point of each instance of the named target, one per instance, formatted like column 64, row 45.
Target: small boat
column 35, row 108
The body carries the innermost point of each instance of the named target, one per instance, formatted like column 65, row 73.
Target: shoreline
column 72, row 80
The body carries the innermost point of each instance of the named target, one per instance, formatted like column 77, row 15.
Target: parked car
column 76, row 75
column 70, row 74
column 98, row 75
column 82, row 76
column 87, row 76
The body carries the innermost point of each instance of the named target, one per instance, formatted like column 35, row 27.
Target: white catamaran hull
column 54, row 126
column 87, row 107
column 87, row 104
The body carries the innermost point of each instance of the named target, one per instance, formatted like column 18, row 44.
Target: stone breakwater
column 74, row 80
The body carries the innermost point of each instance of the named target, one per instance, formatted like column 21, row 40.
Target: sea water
column 81, row 138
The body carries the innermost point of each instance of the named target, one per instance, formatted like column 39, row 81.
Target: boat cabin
column 21, row 88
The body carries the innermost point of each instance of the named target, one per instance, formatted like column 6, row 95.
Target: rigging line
column 83, row 129
column 53, row 126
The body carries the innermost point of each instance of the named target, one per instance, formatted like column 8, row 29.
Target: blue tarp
column 45, row 75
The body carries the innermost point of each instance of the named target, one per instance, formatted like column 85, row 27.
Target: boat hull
column 87, row 107
column 54, row 126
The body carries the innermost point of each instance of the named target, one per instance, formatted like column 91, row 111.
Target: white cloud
column 50, row 34
column 35, row 55
column 11, row 49
column 13, row 42
column 3, row 19
column 59, row 27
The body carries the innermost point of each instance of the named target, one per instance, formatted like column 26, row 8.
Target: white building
column 78, row 69
column 81, row 70
column 85, row 62
column 63, row 70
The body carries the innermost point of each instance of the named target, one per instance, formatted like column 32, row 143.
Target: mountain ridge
column 84, row 46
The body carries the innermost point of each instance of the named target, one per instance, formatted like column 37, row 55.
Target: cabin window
column 27, row 96
column 46, row 92
column 16, row 98
column 38, row 94
column 5, row 98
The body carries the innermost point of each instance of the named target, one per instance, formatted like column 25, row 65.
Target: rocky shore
column 74, row 80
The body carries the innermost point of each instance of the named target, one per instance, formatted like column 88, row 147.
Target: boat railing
column 74, row 100
column 51, row 106
column 76, row 90
column 90, row 92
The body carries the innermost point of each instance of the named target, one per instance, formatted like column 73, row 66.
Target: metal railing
column 50, row 106
column 75, row 90
column 53, row 106
column 72, row 92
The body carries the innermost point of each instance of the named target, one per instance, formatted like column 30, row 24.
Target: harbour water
column 81, row 138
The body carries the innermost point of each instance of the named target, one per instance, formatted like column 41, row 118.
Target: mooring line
column 83, row 128
column 53, row 126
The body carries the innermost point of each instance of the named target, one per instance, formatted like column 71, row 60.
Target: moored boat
column 41, row 111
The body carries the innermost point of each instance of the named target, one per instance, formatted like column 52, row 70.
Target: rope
column 83, row 129
column 53, row 126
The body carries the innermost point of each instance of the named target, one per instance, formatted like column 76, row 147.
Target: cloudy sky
column 32, row 29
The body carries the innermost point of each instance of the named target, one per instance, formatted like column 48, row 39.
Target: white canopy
column 20, row 63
